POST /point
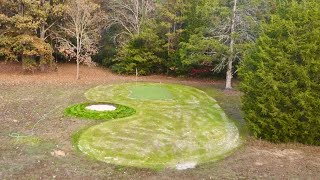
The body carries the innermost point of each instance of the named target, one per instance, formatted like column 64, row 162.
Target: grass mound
column 191, row 128
column 79, row 110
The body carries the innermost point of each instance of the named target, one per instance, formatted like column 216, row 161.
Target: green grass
column 149, row 92
column 79, row 110
column 187, row 127
column 231, row 105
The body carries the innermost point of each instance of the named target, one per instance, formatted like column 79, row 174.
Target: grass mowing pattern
column 190, row 128
column 149, row 92
column 79, row 110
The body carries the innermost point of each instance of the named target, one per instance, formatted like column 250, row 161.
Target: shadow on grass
column 230, row 102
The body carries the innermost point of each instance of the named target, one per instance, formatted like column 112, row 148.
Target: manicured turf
column 79, row 110
column 187, row 128
column 149, row 92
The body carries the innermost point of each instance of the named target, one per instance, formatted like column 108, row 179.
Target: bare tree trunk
column 42, row 32
column 78, row 55
column 42, row 26
column 229, row 75
column 83, row 23
column 78, row 60
column 22, row 8
column 78, row 69
column 42, row 36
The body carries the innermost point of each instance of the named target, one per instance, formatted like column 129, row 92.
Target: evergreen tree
column 226, row 27
column 143, row 52
column 281, row 76
column 172, row 16
column 198, row 48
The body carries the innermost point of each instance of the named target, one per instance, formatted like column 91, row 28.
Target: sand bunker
column 184, row 166
column 101, row 107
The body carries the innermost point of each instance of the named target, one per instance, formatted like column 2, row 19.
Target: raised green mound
column 149, row 92
column 81, row 111
column 186, row 130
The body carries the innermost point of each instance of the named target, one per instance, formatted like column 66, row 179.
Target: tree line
column 151, row 36
column 180, row 37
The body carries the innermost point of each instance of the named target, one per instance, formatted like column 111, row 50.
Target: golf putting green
column 149, row 92
column 179, row 129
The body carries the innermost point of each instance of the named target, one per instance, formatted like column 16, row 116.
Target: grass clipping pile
column 174, row 126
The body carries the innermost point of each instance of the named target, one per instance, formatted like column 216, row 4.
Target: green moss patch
column 28, row 140
column 79, row 110
column 34, row 145
column 150, row 92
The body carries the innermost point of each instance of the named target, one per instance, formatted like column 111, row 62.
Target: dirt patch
column 12, row 74
column 33, row 104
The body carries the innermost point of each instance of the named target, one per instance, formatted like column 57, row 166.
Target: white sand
column 188, row 165
column 101, row 107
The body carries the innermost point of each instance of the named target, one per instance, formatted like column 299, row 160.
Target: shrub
column 27, row 48
column 281, row 76
column 29, row 64
column 144, row 52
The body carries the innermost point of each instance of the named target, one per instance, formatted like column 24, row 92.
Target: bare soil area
column 36, row 138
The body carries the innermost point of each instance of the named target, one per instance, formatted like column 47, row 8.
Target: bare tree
column 239, row 28
column 80, row 34
column 129, row 14
column 230, row 60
